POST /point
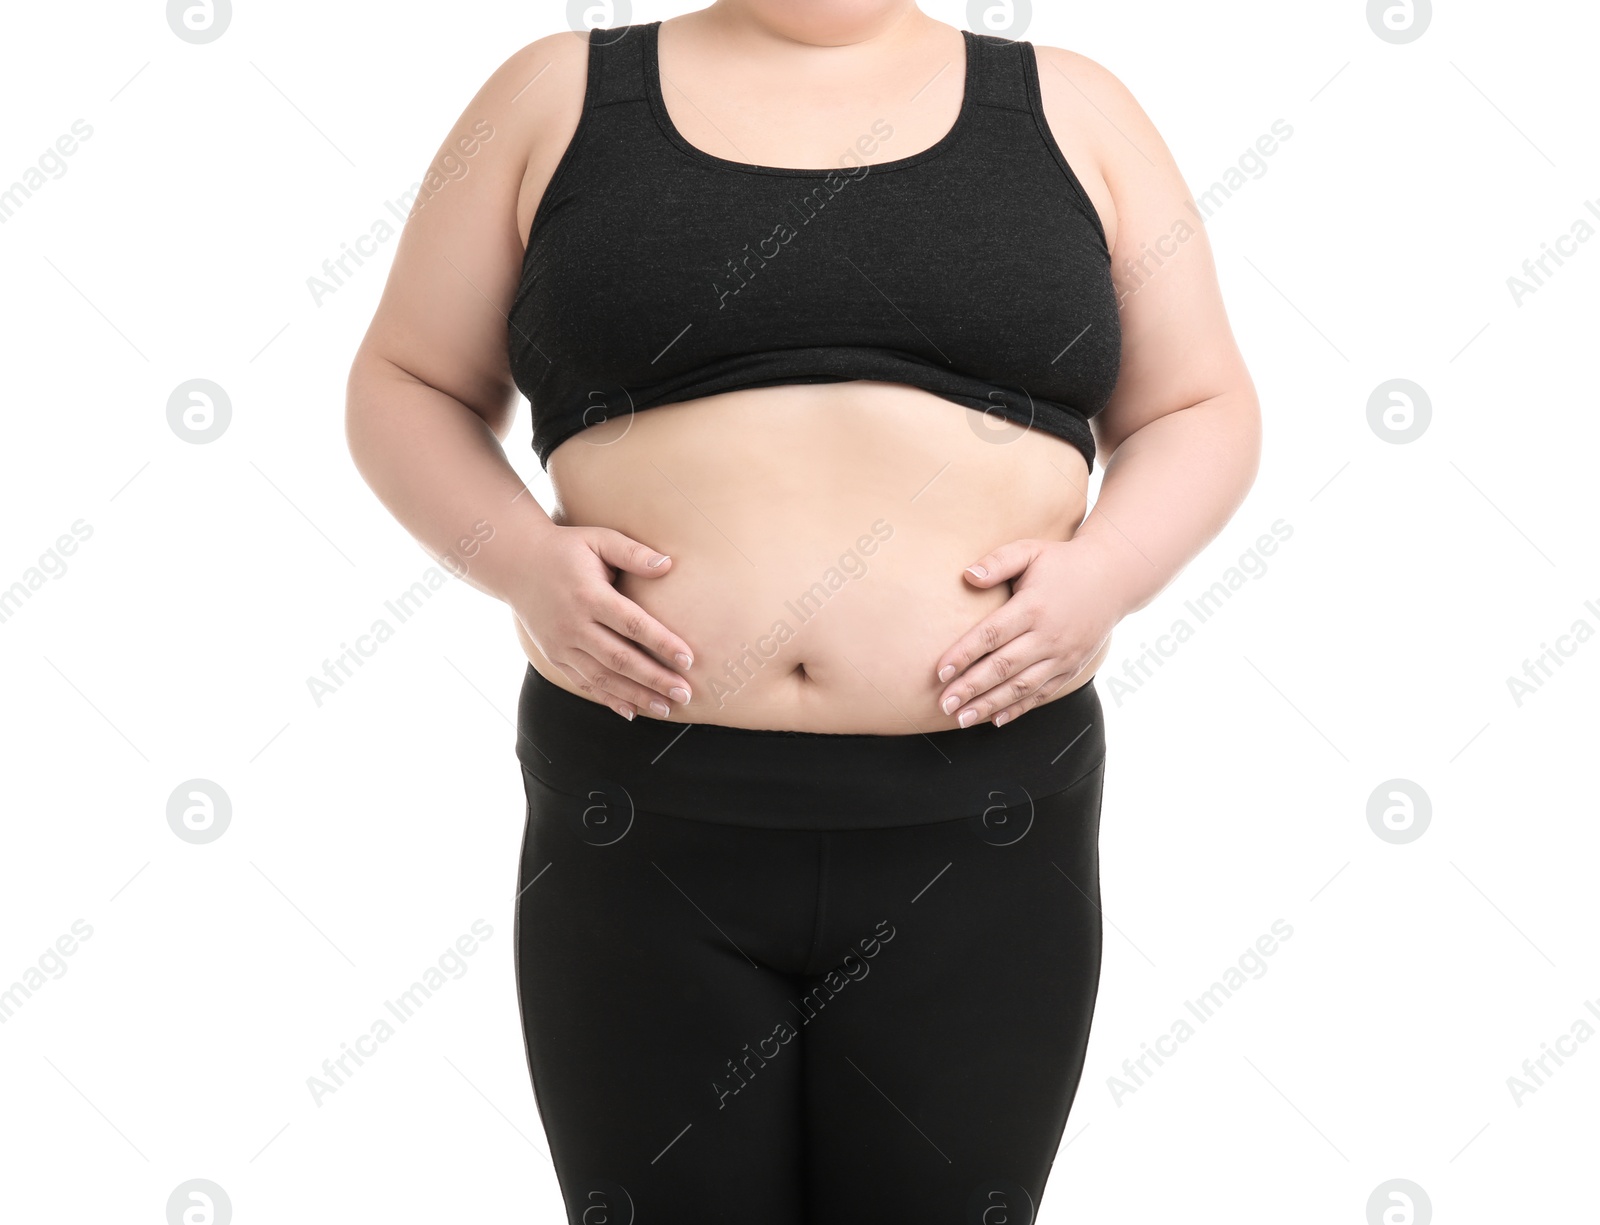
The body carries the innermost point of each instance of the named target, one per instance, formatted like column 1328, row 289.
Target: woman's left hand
column 1062, row 609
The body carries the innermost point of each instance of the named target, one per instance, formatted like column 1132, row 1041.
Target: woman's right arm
column 430, row 396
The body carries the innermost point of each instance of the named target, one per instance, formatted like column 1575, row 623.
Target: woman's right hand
column 608, row 645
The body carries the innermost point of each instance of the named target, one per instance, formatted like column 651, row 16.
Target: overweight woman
column 824, row 312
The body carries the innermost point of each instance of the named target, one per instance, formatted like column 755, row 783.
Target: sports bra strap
column 999, row 79
column 616, row 65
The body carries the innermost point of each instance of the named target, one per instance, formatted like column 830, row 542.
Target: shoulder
column 540, row 83
column 1096, row 101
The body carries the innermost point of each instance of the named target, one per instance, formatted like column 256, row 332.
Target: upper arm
column 442, row 316
column 1177, row 347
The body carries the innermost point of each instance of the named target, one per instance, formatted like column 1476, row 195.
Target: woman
column 824, row 313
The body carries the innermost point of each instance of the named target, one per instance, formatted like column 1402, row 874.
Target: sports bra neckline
column 658, row 106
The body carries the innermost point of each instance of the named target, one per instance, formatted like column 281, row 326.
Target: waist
column 808, row 780
column 818, row 542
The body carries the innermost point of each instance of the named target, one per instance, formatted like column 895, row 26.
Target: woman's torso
column 818, row 531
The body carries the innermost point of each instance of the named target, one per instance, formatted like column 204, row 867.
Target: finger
column 993, row 675
column 632, row 622
column 1015, row 616
column 1006, row 562
column 613, row 687
column 625, row 553
column 624, row 709
column 1040, row 695
column 617, row 654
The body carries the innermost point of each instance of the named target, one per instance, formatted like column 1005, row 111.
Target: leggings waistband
column 806, row 780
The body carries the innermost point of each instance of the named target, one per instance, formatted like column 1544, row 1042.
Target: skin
column 682, row 535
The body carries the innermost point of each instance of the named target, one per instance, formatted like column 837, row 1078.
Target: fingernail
column 661, row 708
column 950, row 704
column 946, row 672
column 678, row 694
column 977, row 572
column 1001, row 719
column 657, row 560
column 624, row 712
column 968, row 718
column 684, row 661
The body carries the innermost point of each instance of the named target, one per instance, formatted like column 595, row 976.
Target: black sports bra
column 975, row 269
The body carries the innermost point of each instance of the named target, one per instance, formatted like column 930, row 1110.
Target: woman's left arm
column 1182, row 431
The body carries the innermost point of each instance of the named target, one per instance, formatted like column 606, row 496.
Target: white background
column 369, row 833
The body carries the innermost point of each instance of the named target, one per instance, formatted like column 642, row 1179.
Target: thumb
column 1004, row 563
column 625, row 553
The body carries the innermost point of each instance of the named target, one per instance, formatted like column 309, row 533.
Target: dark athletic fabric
column 876, row 1015
column 976, row 269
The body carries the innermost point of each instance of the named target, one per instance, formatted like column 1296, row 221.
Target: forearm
column 439, row 469
column 1168, row 489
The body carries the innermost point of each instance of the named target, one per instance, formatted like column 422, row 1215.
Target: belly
column 818, row 536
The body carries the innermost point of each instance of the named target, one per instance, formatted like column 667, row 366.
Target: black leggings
column 777, row 978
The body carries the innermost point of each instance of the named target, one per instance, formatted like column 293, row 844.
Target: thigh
column 646, row 949
column 938, row 1081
